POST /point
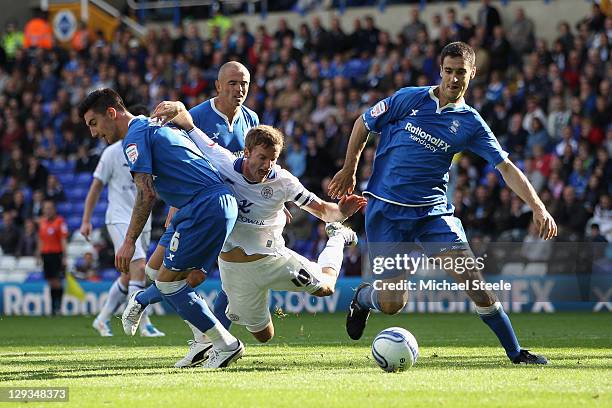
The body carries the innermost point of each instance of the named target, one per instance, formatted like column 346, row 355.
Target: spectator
column 489, row 18
column 86, row 267
column 570, row 215
column 19, row 207
column 54, row 190
column 415, row 25
column 10, row 234
column 522, row 33
column 28, row 242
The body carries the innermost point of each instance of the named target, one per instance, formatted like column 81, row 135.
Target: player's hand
column 85, row 230
column 173, row 111
column 545, row 223
column 288, row 215
column 350, row 204
column 343, row 183
column 171, row 213
column 124, row 255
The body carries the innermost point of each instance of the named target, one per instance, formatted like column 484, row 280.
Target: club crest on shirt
column 378, row 109
column 131, row 151
column 267, row 192
column 454, row 127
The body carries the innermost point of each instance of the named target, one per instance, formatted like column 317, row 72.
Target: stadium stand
column 548, row 102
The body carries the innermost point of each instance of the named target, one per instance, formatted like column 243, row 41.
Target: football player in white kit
column 113, row 170
column 254, row 258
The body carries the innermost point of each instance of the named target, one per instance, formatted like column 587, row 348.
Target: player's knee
column 157, row 258
column 325, row 290
column 195, row 278
column 482, row 298
column 391, row 307
column 264, row 335
column 151, row 273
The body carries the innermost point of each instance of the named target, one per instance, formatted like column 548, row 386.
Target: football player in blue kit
column 420, row 129
column 164, row 161
column 227, row 121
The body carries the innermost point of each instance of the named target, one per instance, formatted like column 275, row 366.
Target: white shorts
column 117, row 233
column 248, row 284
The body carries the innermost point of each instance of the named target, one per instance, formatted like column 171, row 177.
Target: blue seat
column 65, row 179
column 73, row 194
column 78, row 208
column 83, row 179
column 64, row 208
column 74, row 223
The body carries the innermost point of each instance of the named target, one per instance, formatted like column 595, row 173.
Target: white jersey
column 261, row 216
column 114, row 171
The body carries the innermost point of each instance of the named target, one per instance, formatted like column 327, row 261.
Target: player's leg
column 200, row 231
column 138, row 283
column 116, row 296
column 384, row 237
column 195, row 278
column 246, row 285
column 52, row 270
column 448, row 229
column 119, row 289
column 330, row 259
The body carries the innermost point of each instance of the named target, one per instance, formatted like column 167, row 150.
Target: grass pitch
column 312, row 362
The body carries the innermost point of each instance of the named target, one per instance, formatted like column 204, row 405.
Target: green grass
column 311, row 362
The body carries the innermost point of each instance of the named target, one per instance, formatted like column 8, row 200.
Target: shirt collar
column 134, row 118
column 450, row 106
column 223, row 115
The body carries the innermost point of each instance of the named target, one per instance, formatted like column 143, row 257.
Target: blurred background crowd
column 548, row 103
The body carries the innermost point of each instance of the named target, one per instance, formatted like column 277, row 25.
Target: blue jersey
column 180, row 170
column 216, row 125
column 417, row 142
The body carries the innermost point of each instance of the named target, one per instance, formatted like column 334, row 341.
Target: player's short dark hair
column 100, row 100
column 264, row 135
column 458, row 49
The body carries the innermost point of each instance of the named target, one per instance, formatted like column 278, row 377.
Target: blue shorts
column 392, row 228
column 198, row 230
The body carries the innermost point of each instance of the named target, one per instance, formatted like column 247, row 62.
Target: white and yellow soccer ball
column 395, row 349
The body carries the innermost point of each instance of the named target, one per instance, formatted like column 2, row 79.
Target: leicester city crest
column 267, row 192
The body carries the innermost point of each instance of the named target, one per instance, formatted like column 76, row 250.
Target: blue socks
column 495, row 317
column 152, row 295
column 189, row 305
column 367, row 298
column 219, row 308
column 149, row 296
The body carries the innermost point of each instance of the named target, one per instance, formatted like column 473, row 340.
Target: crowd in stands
column 548, row 103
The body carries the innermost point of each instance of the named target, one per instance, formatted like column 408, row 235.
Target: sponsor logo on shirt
column 430, row 142
column 131, row 151
column 245, row 220
column 378, row 109
column 454, row 127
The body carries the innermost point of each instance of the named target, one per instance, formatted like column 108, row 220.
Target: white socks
column 333, row 254
column 116, row 296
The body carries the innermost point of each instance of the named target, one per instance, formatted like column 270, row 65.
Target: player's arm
column 516, row 180
column 332, row 212
column 145, row 199
column 179, row 115
column 93, row 195
column 344, row 181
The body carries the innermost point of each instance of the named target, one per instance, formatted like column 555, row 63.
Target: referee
column 52, row 233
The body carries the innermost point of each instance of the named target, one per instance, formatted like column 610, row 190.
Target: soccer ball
column 395, row 349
